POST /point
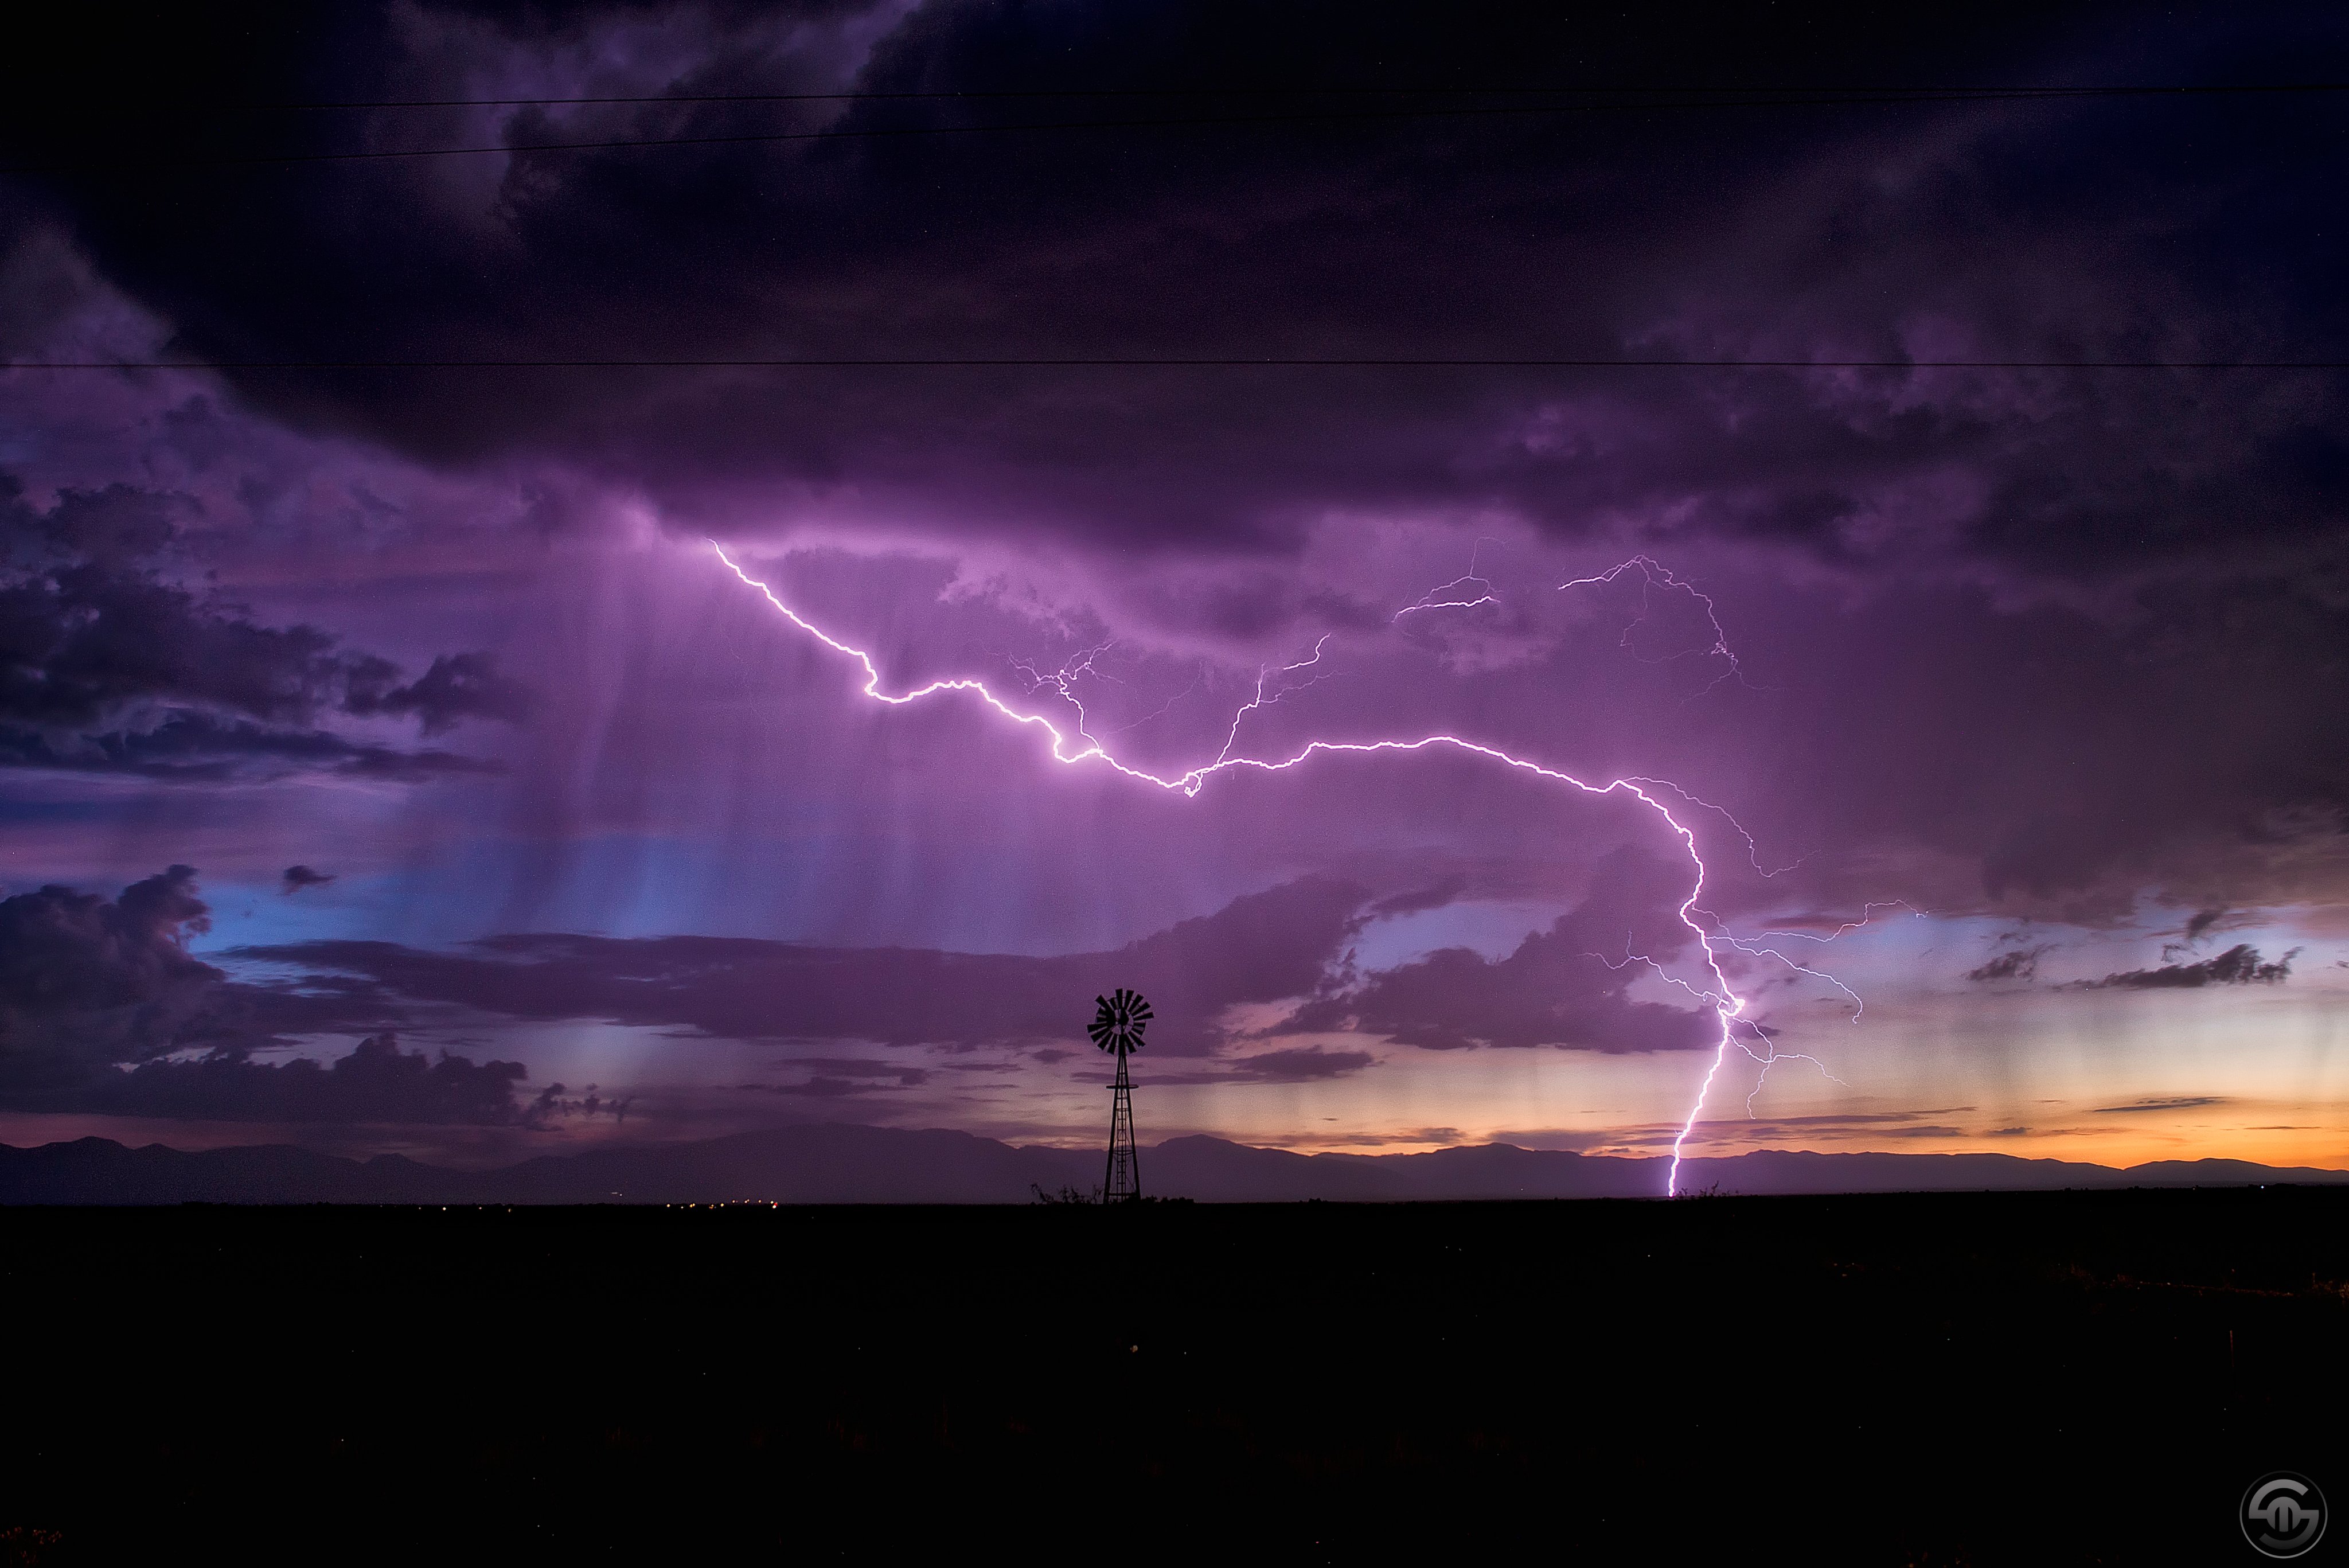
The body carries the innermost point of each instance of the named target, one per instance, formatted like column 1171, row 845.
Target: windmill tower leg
column 1124, row 1177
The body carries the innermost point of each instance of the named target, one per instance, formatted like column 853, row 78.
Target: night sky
column 390, row 761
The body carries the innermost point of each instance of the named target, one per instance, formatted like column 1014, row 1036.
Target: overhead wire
column 1756, row 95
column 1729, row 99
column 1170, row 363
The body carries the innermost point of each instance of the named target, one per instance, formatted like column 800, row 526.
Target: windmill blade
column 1119, row 1020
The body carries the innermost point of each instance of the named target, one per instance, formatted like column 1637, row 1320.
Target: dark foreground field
column 2003, row 1378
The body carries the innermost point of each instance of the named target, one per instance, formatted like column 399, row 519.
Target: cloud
column 103, row 1010
column 1566, row 986
column 1433, row 897
column 378, row 1082
column 2198, row 926
column 1252, row 241
column 1300, row 1065
column 459, row 686
column 833, row 1077
column 109, row 665
column 300, row 876
column 2021, row 963
column 2008, row 590
column 2201, row 921
column 1961, row 532
column 84, row 981
column 2184, row 1103
column 2239, row 965
column 1261, row 947
column 197, row 747
column 1847, row 1125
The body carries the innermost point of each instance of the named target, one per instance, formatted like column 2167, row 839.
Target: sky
column 1853, row 503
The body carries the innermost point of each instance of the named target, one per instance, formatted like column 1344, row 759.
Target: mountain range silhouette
column 841, row 1163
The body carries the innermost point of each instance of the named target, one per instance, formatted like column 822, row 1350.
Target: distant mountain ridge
column 842, row 1163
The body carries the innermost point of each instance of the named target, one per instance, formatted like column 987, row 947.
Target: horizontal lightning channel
column 1728, row 1007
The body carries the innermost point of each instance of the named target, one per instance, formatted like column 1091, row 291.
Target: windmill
column 1117, row 1026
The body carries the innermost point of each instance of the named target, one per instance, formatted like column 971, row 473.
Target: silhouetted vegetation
column 1065, row 1195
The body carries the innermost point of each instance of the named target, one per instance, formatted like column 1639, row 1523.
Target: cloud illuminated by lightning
column 1728, row 1007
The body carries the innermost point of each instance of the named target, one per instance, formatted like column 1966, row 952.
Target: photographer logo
column 2283, row 1514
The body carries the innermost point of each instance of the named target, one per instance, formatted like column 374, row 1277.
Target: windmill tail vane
column 1117, row 1027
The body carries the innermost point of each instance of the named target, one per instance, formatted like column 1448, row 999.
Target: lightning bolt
column 1428, row 601
column 1653, row 575
column 1728, row 1007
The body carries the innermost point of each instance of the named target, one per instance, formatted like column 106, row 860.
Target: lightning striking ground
column 1729, row 1008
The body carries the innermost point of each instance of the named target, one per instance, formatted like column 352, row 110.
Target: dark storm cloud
column 378, row 1082
column 1566, row 986
column 107, row 666
column 100, row 1003
column 1771, row 232
column 85, row 980
column 2239, row 965
column 86, row 629
column 1261, row 947
column 2023, row 585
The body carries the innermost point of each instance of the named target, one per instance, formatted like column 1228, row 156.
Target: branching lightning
column 1428, row 601
column 1729, row 1008
column 1653, row 575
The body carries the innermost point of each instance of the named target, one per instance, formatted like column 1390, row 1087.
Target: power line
column 1758, row 95
column 1332, row 116
column 1200, row 363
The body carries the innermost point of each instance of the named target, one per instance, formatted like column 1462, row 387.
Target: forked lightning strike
column 1728, row 1007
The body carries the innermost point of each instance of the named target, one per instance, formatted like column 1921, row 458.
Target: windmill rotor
column 1119, row 1021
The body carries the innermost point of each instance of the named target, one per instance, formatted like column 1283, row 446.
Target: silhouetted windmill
column 1117, row 1026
